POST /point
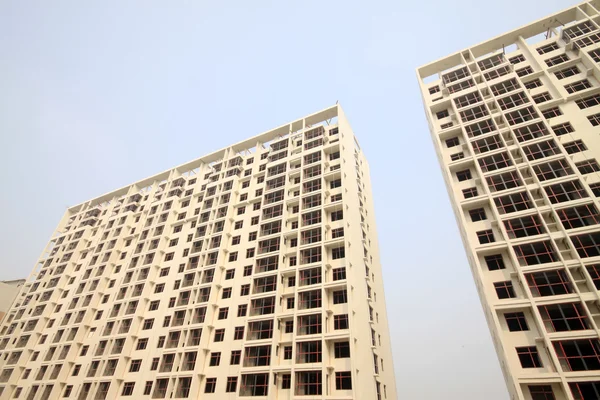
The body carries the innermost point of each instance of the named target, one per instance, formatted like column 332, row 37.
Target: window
column 594, row 119
column 594, row 271
column 552, row 170
column 548, row 283
column 287, row 352
column 239, row 333
column 341, row 350
column 463, row 175
column 491, row 62
column 557, row 60
column 343, row 380
column 547, row 48
column 565, row 73
column 578, row 355
column 340, row 322
column 497, row 73
column 480, row 128
column 580, row 216
column 525, row 226
column 135, row 365
column 340, row 297
column 337, row 215
column 128, row 389
column 452, row 142
column 533, row 84
column 578, row 86
column 456, row 75
column 564, row 317
column 521, row 115
column 245, row 290
column 587, row 245
column 486, row 236
column 563, row 129
column 585, row 390
column 286, row 379
column 254, row 385
column 337, row 233
column 575, row 147
column 535, row 253
column 148, row 323
column 504, row 290
column 513, row 101
column 516, row 321
column 310, row 256
column 578, row 30
column 567, row 191
column 442, row 114
column 223, row 312
column 248, row 270
column 494, row 162
column 517, row 59
column 504, row 87
column 551, row 112
column 242, row 310
column 226, row 293
column 219, row 335
column 494, row 262
column 507, row 180
column 524, row 71
column 211, row 385
column 308, row 383
column 542, row 98
column 289, row 327
column 588, row 166
column 148, row 388
column 434, row 89
column 588, row 102
column 215, row 359
column 231, row 384
column 473, row 113
column 468, row 193
column 235, row 357
column 487, row 144
column 529, row 357
column 337, row 253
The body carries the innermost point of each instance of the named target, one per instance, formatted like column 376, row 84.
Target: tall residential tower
column 516, row 126
column 250, row 272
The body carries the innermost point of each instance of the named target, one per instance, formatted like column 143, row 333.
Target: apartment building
column 253, row 271
column 515, row 124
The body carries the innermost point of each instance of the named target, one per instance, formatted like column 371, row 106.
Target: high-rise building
column 515, row 124
column 253, row 271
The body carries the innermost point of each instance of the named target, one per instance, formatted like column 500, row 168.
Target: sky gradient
column 95, row 95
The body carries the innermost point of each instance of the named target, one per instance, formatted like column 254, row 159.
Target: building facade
column 8, row 292
column 515, row 122
column 251, row 272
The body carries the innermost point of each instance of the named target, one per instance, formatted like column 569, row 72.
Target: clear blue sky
column 97, row 94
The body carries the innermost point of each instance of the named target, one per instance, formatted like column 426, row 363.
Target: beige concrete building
column 8, row 292
column 516, row 126
column 250, row 272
